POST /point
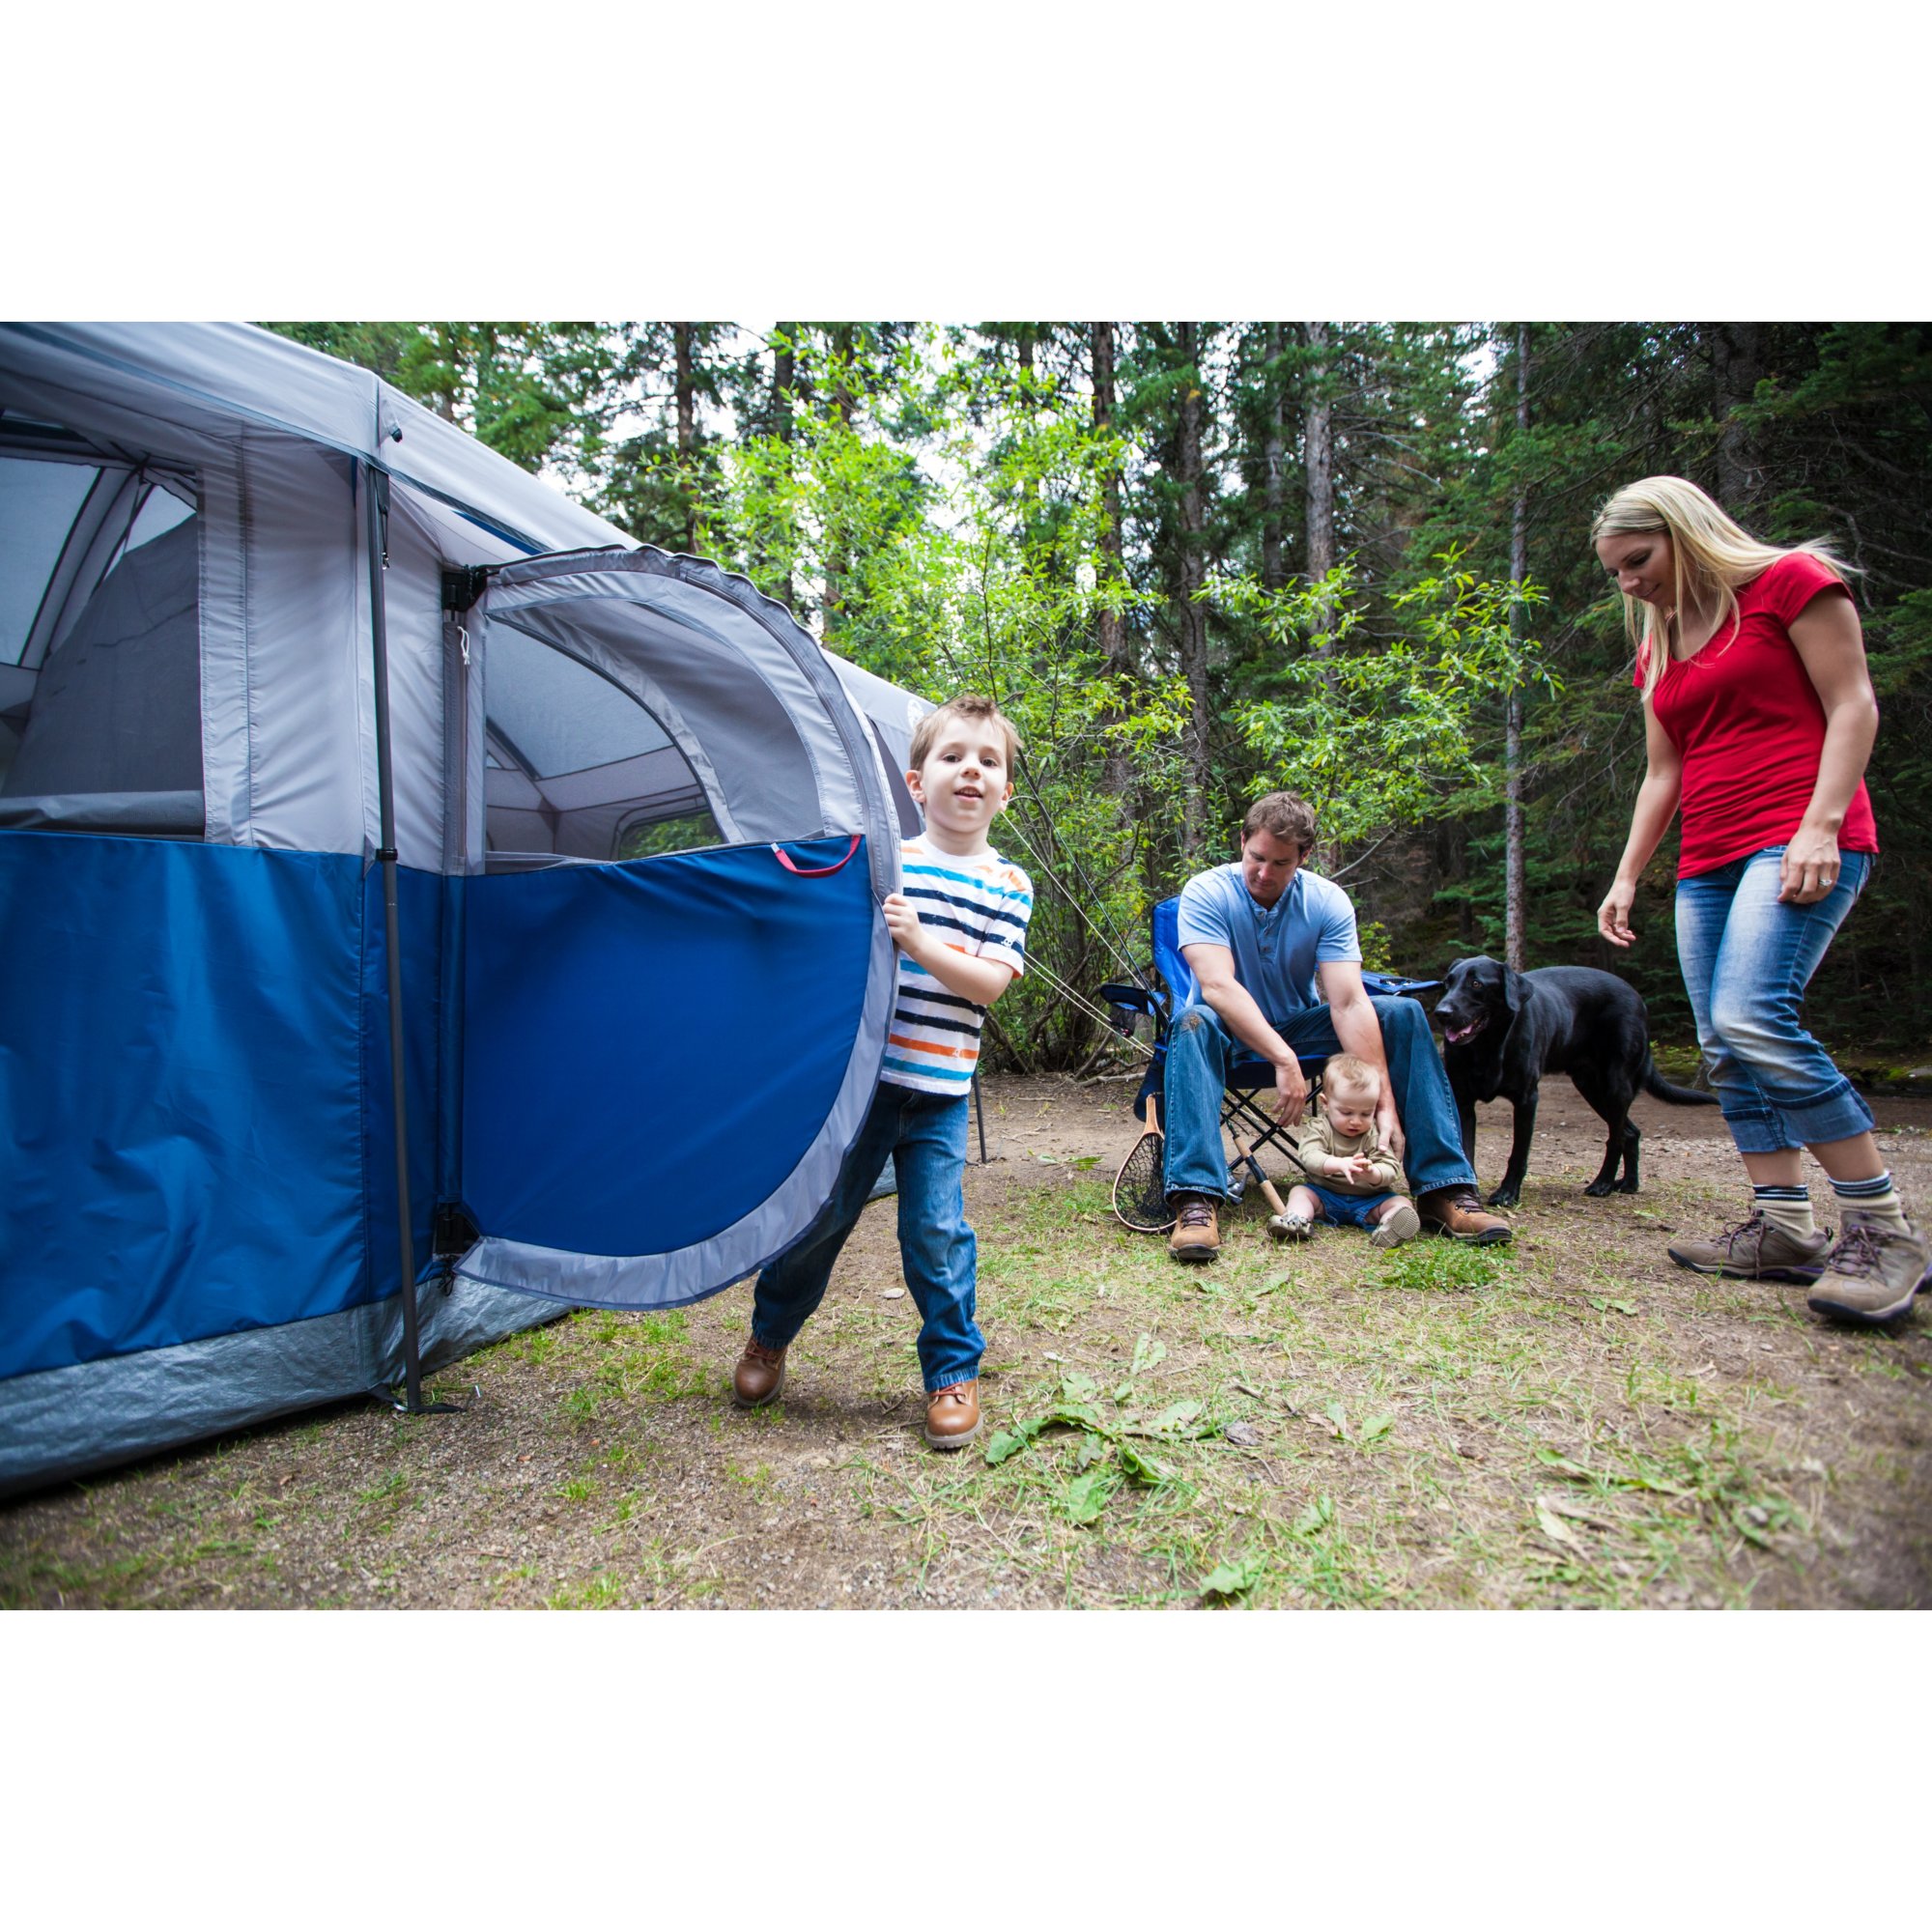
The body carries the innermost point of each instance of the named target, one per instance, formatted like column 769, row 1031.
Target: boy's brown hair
column 1347, row 1069
column 969, row 705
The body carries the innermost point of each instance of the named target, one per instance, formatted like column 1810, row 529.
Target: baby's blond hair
column 1349, row 1071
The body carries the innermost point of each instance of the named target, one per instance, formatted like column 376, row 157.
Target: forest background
column 1196, row 561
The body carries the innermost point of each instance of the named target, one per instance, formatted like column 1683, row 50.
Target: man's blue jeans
column 1201, row 1049
column 925, row 1134
column 1746, row 961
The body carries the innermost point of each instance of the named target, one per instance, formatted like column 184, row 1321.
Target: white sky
column 1015, row 157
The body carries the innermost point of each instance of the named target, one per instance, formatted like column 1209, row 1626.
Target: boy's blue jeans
column 925, row 1134
column 1200, row 1051
column 1746, row 961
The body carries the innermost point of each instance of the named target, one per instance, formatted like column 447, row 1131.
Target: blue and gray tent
column 334, row 744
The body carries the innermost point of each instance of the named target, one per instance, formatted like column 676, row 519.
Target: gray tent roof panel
column 213, row 379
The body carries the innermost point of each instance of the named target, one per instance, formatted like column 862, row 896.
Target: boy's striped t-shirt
column 980, row 907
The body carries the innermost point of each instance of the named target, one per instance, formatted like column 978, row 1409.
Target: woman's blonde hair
column 1711, row 552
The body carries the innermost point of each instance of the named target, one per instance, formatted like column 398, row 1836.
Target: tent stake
column 378, row 561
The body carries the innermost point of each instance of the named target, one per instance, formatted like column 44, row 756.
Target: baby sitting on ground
column 1353, row 1179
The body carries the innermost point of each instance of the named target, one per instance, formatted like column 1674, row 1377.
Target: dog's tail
column 1679, row 1096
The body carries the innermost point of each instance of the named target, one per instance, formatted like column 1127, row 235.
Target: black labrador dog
column 1503, row 1031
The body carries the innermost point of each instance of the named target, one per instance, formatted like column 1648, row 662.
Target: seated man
column 1260, row 936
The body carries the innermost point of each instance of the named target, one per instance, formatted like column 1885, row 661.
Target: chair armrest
column 1388, row 986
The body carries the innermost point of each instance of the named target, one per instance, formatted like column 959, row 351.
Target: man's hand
column 1390, row 1122
column 1291, row 1091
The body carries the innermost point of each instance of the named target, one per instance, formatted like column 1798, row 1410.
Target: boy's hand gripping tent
column 278, row 646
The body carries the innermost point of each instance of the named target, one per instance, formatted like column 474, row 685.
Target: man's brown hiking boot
column 1458, row 1212
column 953, row 1415
column 1197, row 1233
column 1757, row 1250
column 1873, row 1273
column 759, row 1376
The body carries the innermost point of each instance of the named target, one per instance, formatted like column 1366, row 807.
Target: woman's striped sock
column 1786, row 1208
column 1874, row 1200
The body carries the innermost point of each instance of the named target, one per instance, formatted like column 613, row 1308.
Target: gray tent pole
column 378, row 514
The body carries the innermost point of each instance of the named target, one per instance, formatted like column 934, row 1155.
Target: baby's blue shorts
column 1349, row 1210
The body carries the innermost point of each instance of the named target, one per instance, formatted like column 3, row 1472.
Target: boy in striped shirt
column 959, row 924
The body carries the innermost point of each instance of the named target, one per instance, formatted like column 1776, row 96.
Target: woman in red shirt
column 1758, row 720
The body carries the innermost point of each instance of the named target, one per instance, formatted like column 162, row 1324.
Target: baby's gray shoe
column 1404, row 1225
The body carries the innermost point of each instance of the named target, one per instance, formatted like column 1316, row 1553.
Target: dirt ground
column 1581, row 1423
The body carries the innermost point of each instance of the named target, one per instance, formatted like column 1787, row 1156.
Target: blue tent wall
column 181, row 1085
column 651, row 1048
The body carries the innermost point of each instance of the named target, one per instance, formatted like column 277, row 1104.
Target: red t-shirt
column 1749, row 725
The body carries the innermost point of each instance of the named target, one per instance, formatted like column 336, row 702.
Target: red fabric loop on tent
column 786, row 860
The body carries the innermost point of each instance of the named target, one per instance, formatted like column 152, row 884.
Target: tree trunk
column 1274, row 573
column 1513, row 825
column 1319, row 454
column 1192, row 614
column 836, row 562
column 1113, row 630
column 687, row 431
column 784, row 375
column 1736, row 364
column 1030, row 510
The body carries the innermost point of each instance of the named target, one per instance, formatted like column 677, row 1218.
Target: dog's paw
column 1597, row 1189
column 1505, row 1195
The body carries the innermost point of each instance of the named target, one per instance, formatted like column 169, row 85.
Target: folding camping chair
column 1139, row 1197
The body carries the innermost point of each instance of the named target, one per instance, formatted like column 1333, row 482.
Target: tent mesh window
column 576, row 768
column 100, row 639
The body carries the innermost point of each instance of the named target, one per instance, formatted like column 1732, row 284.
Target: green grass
column 1372, row 1428
column 1327, row 1425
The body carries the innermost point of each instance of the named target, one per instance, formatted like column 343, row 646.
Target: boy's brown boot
column 953, row 1415
column 1197, row 1233
column 1757, row 1250
column 1873, row 1273
column 759, row 1376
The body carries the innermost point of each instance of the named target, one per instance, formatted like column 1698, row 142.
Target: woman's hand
column 1809, row 870
column 1613, row 914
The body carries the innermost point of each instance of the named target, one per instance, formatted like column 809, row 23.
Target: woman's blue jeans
column 1746, row 961
column 924, row 1135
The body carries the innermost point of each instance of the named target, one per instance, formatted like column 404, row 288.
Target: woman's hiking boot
column 759, row 1376
column 1873, row 1273
column 1197, row 1232
column 1758, row 1250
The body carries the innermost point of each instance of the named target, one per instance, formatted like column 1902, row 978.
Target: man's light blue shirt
column 1276, row 948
